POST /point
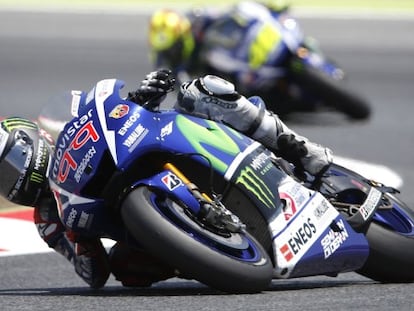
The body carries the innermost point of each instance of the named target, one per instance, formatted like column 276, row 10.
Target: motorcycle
column 286, row 68
column 216, row 205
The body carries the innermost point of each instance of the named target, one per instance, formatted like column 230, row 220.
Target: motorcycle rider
column 222, row 43
column 26, row 151
column 25, row 154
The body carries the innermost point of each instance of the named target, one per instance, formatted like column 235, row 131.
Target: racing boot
column 136, row 268
column 88, row 256
column 214, row 98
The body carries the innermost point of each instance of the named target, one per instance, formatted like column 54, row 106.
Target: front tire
column 236, row 264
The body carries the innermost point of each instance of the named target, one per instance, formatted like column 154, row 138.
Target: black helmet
column 24, row 159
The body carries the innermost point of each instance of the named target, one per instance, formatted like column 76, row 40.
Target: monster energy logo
column 13, row 123
column 257, row 186
column 36, row 177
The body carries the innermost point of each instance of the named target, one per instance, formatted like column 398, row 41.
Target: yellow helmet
column 277, row 5
column 169, row 29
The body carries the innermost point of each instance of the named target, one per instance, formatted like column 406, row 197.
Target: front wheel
column 391, row 240
column 231, row 262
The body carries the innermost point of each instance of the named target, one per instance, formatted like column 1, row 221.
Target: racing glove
column 154, row 88
column 305, row 155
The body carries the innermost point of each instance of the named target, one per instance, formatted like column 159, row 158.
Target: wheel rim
column 237, row 246
column 396, row 219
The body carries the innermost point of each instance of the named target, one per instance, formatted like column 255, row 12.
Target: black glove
column 153, row 88
column 306, row 156
column 291, row 149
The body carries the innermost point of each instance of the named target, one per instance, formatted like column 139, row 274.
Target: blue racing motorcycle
column 266, row 53
column 216, row 205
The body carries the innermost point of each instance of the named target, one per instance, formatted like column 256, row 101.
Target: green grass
column 335, row 4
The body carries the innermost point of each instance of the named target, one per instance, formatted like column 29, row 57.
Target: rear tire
column 332, row 92
column 391, row 257
column 236, row 264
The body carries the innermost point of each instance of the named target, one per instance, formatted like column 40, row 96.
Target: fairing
column 303, row 234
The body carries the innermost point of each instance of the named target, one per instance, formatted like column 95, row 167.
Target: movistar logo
column 210, row 140
column 257, row 186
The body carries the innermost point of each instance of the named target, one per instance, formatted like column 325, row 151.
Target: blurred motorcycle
column 265, row 53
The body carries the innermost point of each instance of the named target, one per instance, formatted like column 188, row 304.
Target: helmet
column 24, row 159
column 277, row 5
column 170, row 33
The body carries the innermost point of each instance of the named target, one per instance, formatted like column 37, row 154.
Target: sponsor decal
column 334, row 239
column 104, row 87
column 129, row 123
column 298, row 240
column 22, row 176
column 298, row 193
column 261, row 164
column 171, row 181
column 258, row 161
column 84, row 163
column 137, row 135
column 76, row 98
column 255, row 178
column 37, row 175
column 75, row 136
column 85, row 220
column 321, row 209
column 37, row 178
column 252, row 182
column 90, row 96
column 289, row 208
column 207, row 139
column 119, row 111
column 366, row 209
column 71, row 218
column 209, row 100
column 17, row 123
column 40, row 161
column 293, row 240
column 286, row 252
column 166, row 130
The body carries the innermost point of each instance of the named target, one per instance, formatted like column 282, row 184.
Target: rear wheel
column 232, row 262
column 332, row 92
column 391, row 240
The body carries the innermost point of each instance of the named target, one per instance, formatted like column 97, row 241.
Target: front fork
column 207, row 210
column 212, row 211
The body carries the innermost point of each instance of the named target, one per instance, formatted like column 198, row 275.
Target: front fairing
column 107, row 124
column 215, row 144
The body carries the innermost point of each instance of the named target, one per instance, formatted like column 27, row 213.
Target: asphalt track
column 44, row 54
